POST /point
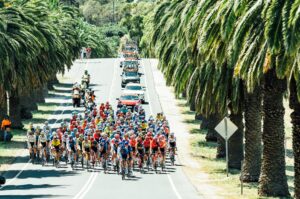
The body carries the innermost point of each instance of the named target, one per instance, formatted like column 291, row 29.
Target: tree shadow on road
column 29, row 186
column 50, row 173
column 11, row 196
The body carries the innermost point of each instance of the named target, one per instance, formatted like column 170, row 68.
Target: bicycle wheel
column 123, row 174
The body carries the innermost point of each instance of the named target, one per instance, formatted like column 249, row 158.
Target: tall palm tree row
column 241, row 56
column 38, row 39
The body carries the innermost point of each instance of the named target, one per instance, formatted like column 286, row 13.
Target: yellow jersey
column 55, row 142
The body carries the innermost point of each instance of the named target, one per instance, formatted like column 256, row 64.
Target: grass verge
column 205, row 153
column 9, row 151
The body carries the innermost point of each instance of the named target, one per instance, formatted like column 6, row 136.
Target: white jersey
column 42, row 139
column 64, row 139
column 31, row 138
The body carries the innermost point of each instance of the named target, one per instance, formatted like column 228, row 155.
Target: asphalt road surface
column 25, row 180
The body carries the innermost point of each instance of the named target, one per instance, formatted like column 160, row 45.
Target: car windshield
column 131, row 74
column 129, row 97
column 136, row 88
column 130, row 63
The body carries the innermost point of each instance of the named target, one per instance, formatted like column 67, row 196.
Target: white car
column 134, row 88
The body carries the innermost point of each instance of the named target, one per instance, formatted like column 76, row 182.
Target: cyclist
column 124, row 152
column 140, row 150
column 104, row 147
column 162, row 147
column 132, row 144
column 31, row 144
column 94, row 150
column 56, row 144
column 72, row 148
column 79, row 142
column 37, row 135
column 42, row 144
column 154, row 150
column 147, row 144
column 86, row 148
column 172, row 144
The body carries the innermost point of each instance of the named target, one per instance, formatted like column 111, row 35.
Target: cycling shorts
column 141, row 151
column 87, row 150
column 43, row 144
column 31, row 144
column 133, row 149
column 162, row 150
column 56, row 148
column 73, row 149
column 103, row 153
column 147, row 150
column 154, row 150
column 172, row 144
column 95, row 149
column 124, row 156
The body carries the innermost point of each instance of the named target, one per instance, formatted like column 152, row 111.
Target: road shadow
column 64, row 85
column 49, row 173
column 12, row 160
column 29, row 186
column 11, row 196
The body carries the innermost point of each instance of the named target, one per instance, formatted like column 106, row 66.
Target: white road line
column 78, row 195
column 27, row 164
column 147, row 91
column 173, row 187
column 16, row 176
column 87, row 189
column 150, row 105
column 113, row 81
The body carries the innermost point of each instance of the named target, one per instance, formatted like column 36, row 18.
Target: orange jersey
column 132, row 142
column 154, row 143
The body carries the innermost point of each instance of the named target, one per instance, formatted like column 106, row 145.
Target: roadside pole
column 241, row 178
column 226, row 129
column 7, row 103
column 226, row 145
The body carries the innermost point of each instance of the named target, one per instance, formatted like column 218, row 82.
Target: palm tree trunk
column 253, row 116
column 27, row 105
column 273, row 180
column 198, row 116
column 235, row 143
column 39, row 95
column 210, row 123
column 3, row 107
column 53, row 80
column 295, row 116
column 221, row 150
column 15, row 110
column 192, row 105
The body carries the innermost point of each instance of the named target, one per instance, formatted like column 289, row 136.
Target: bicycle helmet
column 117, row 136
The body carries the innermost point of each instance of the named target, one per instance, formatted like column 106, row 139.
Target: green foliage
column 208, row 48
column 39, row 38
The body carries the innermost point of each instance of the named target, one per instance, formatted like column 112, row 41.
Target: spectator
column 5, row 126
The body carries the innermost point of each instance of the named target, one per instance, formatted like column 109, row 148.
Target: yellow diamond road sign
column 221, row 128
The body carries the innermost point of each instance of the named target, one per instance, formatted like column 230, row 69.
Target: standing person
column 5, row 126
column 83, row 52
column 88, row 52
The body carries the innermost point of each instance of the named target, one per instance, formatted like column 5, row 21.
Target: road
column 25, row 180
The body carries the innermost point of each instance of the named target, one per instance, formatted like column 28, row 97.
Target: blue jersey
column 72, row 143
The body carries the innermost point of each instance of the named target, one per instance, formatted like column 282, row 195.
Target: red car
column 130, row 100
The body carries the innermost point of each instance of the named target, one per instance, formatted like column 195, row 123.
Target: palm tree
column 253, row 138
column 254, row 63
